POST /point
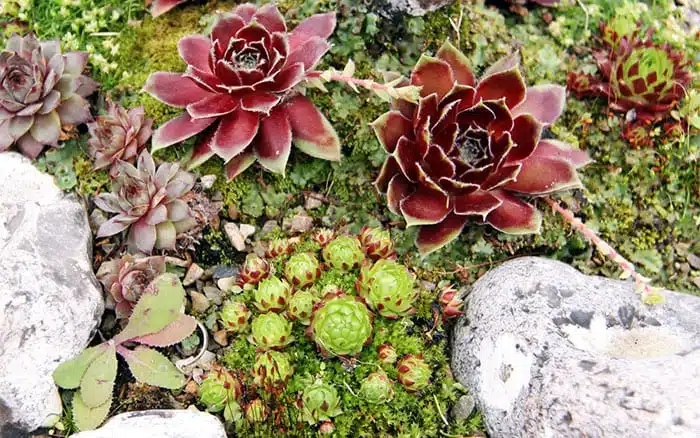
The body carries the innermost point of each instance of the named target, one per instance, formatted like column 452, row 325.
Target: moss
column 90, row 181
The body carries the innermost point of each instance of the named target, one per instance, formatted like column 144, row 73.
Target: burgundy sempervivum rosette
column 470, row 148
column 241, row 81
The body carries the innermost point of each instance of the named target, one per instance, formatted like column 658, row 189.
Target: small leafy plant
column 157, row 320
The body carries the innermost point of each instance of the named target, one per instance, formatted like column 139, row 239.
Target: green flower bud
column 301, row 305
column 270, row 331
column 272, row 295
column 388, row 288
column 320, row 402
column 344, row 253
column 271, row 367
column 413, row 372
column 234, row 317
column 302, row 270
column 377, row 388
column 341, row 325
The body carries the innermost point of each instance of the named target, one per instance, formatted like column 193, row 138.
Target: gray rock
column 159, row 423
column 50, row 302
column 550, row 352
column 300, row 223
column 410, row 7
column 464, row 407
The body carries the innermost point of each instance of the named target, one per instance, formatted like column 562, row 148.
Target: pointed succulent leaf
column 87, row 418
column 151, row 367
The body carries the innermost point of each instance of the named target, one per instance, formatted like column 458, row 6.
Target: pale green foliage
column 157, row 320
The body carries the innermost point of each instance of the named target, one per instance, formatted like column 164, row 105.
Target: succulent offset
column 377, row 388
column 125, row 280
column 388, row 287
column 278, row 247
column 324, row 236
column 219, row 389
column 272, row 295
column 341, row 325
column 450, row 302
column 235, row 317
column 387, row 354
column 302, row 270
column 254, row 269
column 119, row 135
column 637, row 74
column 301, row 306
column 377, row 243
column 240, row 82
column 272, row 367
column 150, row 203
column 471, row 149
column 413, row 372
column 343, row 252
column 270, row 331
column 320, row 402
column 41, row 90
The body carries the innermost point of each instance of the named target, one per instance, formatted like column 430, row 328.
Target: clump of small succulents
column 125, row 279
column 119, row 135
column 344, row 252
column 341, row 325
column 221, row 391
column 635, row 73
column 41, row 91
column 472, row 149
column 149, row 202
column 241, row 81
column 156, row 321
column 388, row 288
column 320, row 402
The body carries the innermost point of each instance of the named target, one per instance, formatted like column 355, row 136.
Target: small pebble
column 235, row 236
column 176, row 262
column 226, row 284
column 223, row 271
column 97, row 218
column 208, row 181
column 194, row 273
column 217, row 196
column 247, row 230
column 269, row 227
column 200, row 303
column 214, row 294
column 464, row 407
column 300, row 223
column 312, row 202
column 694, row 261
column 221, row 337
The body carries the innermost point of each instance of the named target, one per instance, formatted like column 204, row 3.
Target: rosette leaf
column 301, row 306
column 376, row 243
column 235, row 317
column 271, row 368
column 377, row 388
column 254, row 269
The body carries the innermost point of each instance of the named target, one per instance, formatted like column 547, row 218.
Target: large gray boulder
column 549, row 352
column 50, row 302
column 159, row 424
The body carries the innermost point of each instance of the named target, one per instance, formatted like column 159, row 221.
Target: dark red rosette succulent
column 241, row 81
column 470, row 149
column 636, row 74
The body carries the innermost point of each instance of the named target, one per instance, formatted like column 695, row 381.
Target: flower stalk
column 650, row 294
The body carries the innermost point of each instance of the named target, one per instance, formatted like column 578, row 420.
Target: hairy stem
column 647, row 291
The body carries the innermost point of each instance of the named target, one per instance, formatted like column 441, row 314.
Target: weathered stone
column 50, row 302
column 194, row 273
column 299, row 223
column 207, row 181
column 464, row 407
column 390, row 8
column 159, row 423
column 234, row 236
column 200, row 302
column 593, row 362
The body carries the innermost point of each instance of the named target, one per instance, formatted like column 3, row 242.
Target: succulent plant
column 326, row 428
column 388, row 287
column 150, row 203
column 241, row 81
column 272, row 295
column 218, row 389
column 255, row 411
column 301, row 306
column 341, row 325
column 125, row 279
column 302, row 269
column 387, row 354
column 344, row 253
column 271, row 367
column 450, row 302
column 377, row 388
column 377, row 243
column 41, row 90
column 637, row 74
column 278, row 247
column 235, row 317
column 156, row 321
column 638, row 134
column 320, row 402
column 324, row 236
column 470, row 149
column 413, row 372
column 254, row 269
column 270, row 331
column 160, row 7
column 119, row 135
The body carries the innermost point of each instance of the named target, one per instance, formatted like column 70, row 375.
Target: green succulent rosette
column 271, row 367
column 301, row 306
column 388, row 287
column 272, row 295
column 220, row 391
column 270, row 331
column 413, row 372
column 377, row 388
column 302, row 270
column 344, row 253
column 320, row 402
column 235, row 317
column 341, row 325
